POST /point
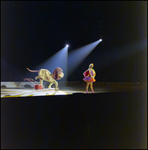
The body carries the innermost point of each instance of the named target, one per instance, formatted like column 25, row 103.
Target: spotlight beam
column 118, row 54
column 57, row 60
column 77, row 56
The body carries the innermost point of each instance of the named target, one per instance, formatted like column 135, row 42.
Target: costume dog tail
column 32, row 70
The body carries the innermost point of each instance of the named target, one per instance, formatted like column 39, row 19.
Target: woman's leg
column 87, row 85
column 91, row 86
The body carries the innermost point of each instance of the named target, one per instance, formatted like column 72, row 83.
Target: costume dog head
column 58, row 73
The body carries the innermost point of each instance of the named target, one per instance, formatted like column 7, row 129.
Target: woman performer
column 89, row 77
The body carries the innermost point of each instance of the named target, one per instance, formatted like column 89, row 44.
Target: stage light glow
column 78, row 55
column 67, row 45
column 100, row 39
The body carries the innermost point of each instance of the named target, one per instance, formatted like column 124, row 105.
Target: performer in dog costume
column 89, row 77
column 44, row 74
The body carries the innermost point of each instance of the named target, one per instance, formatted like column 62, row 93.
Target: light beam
column 78, row 55
column 57, row 60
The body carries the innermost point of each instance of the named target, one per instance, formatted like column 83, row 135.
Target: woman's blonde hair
column 91, row 65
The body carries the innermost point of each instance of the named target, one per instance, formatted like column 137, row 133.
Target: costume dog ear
column 56, row 72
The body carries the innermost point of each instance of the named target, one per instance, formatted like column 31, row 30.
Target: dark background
column 31, row 32
column 115, row 120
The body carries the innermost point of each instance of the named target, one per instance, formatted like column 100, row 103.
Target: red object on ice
column 37, row 87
